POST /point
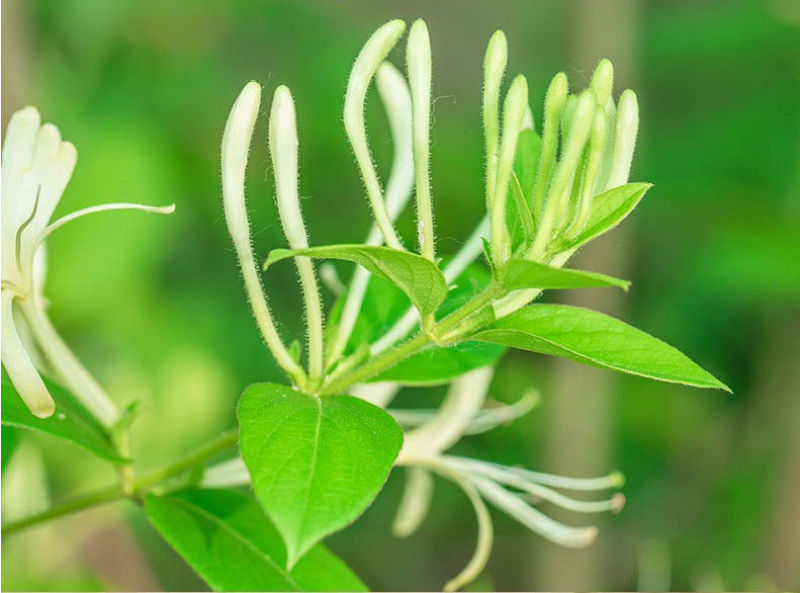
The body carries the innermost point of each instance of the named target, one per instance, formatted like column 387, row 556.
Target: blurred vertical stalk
column 580, row 401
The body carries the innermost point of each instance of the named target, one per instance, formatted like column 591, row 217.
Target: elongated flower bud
column 372, row 55
column 627, row 127
column 494, row 65
column 553, row 106
column 235, row 148
column 602, row 81
column 418, row 58
column 513, row 113
column 283, row 146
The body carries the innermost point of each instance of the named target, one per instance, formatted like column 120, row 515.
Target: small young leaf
column 596, row 339
column 526, row 160
column 521, row 273
column 416, row 276
column 315, row 463
column 71, row 420
column 608, row 210
column 225, row 536
column 439, row 365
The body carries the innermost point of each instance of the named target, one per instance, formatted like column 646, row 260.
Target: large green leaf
column 596, row 339
column 416, row 276
column 71, row 421
column 225, row 536
column 315, row 463
column 438, row 365
column 521, row 273
column 608, row 210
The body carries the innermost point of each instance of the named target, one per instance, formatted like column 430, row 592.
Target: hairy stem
column 116, row 492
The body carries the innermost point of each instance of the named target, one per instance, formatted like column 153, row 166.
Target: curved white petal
column 20, row 368
column 53, row 171
column 379, row 394
column 483, row 546
column 226, row 474
column 416, row 502
column 463, row 400
column 18, row 145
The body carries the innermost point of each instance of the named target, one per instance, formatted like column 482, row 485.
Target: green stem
column 89, row 500
column 116, row 492
column 389, row 358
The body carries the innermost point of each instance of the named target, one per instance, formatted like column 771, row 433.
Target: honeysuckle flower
column 512, row 490
column 36, row 167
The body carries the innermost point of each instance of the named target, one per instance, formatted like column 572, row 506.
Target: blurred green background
column 155, row 307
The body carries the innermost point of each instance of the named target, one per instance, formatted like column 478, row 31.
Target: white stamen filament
column 283, row 145
column 503, row 475
column 369, row 59
column 570, row 537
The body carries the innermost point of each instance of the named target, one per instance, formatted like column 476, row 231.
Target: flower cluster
column 585, row 148
column 37, row 165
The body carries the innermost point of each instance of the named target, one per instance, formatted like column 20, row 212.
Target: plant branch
column 116, row 492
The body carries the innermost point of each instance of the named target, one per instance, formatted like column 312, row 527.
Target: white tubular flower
column 235, row 148
column 283, row 145
column 37, row 165
column 512, row 490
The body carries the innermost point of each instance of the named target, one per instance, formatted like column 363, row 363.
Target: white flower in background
column 36, row 167
column 512, row 490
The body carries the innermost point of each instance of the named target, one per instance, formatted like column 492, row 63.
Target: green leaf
column 608, row 210
column 526, row 160
column 71, row 421
column 596, row 339
column 436, row 366
column 315, row 463
column 225, row 536
column 521, row 273
column 416, row 276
